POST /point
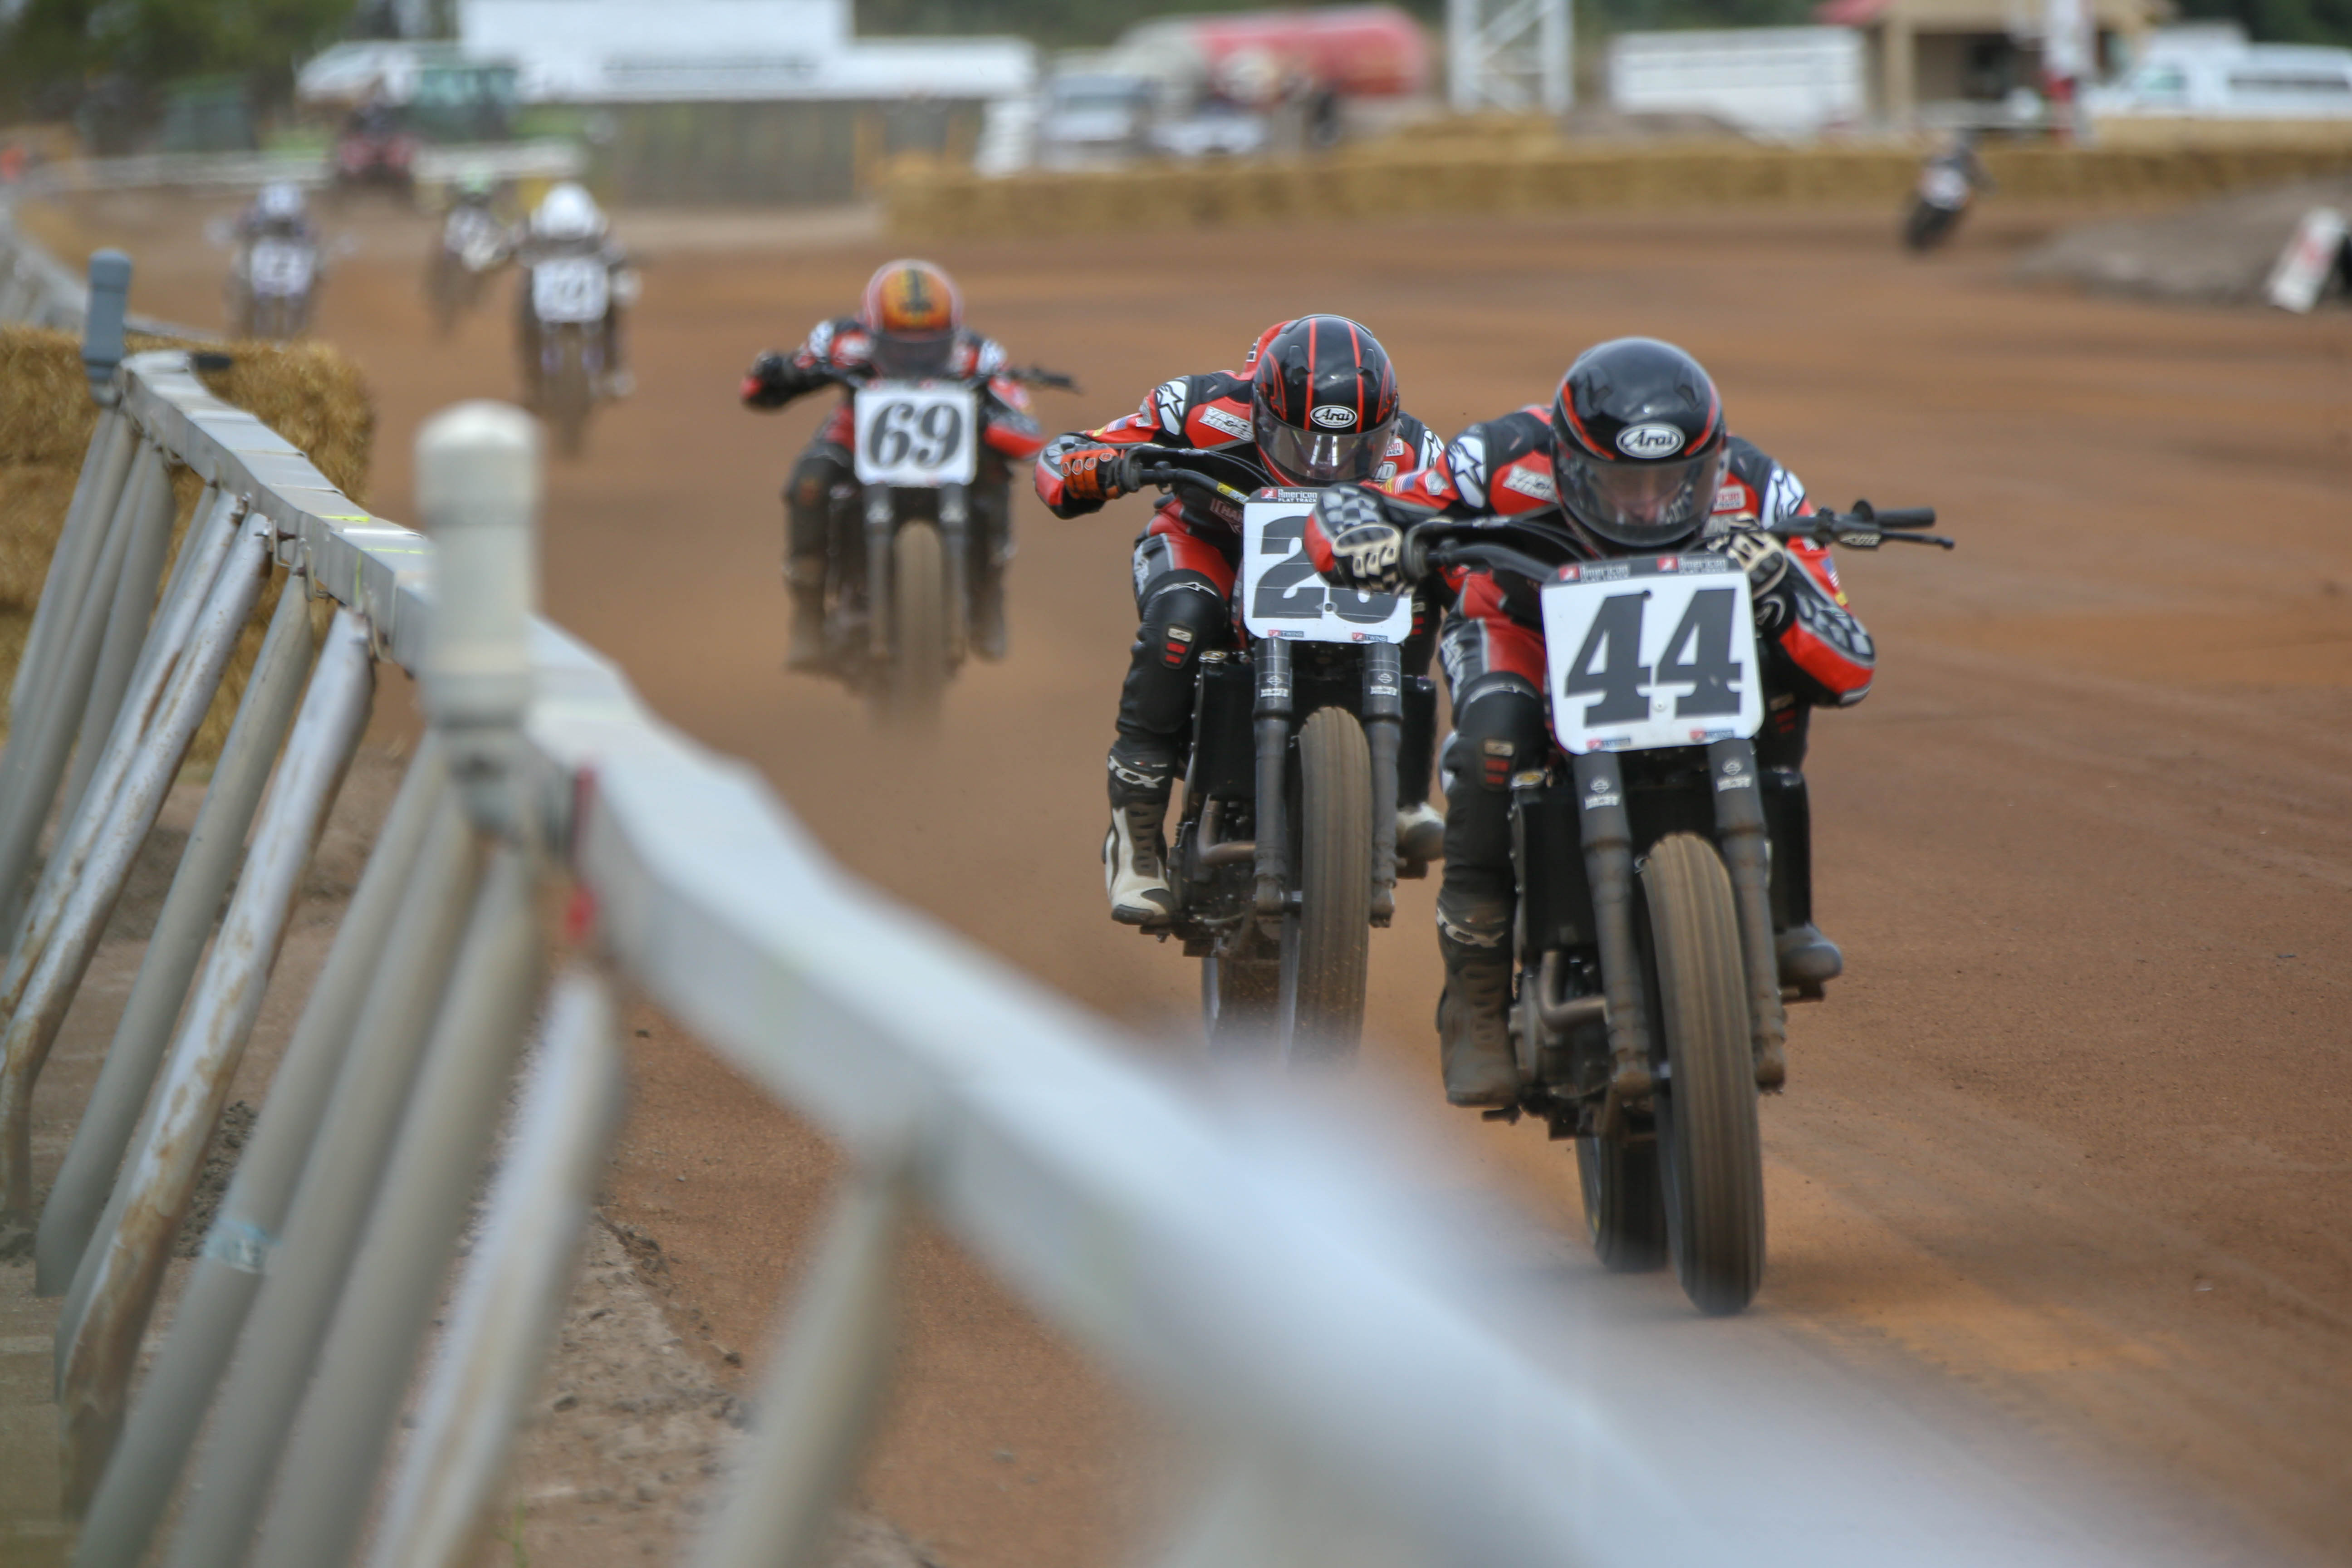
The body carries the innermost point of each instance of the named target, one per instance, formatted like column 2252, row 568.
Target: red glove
column 1091, row 473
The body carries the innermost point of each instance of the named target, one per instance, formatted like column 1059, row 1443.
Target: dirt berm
column 2217, row 252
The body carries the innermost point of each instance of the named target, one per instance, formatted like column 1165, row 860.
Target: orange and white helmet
column 913, row 310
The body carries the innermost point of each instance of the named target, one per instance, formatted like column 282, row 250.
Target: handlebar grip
column 1906, row 517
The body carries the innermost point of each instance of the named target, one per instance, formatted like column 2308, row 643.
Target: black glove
column 775, row 381
column 1367, row 549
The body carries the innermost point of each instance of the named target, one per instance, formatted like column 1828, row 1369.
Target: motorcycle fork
column 1271, row 715
column 1740, row 830
column 955, row 535
column 1608, row 836
column 1383, row 714
column 881, row 524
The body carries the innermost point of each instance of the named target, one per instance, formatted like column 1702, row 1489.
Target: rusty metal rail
column 1359, row 1412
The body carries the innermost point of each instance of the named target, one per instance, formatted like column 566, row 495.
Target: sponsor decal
column 1593, row 802
column 1332, row 417
column 1733, row 498
column 1651, row 440
column 1224, row 419
column 1729, row 781
column 1531, row 482
column 1384, row 473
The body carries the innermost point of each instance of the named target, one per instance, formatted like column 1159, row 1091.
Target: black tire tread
column 1335, row 878
column 919, row 623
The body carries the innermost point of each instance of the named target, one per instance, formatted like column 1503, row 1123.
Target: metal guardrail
column 1349, row 1402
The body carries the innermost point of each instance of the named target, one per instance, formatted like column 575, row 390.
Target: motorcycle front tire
column 919, row 625
column 1327, row 942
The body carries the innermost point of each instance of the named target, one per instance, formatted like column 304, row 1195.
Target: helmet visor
column 1320, row 457
column 1642, row 506
column 913, row 356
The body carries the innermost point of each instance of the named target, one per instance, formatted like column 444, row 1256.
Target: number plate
column 1284, row 597
column 1942, row 187
column 917, row 434
column 571, row 289
column 280, row 267
column 1650, row 652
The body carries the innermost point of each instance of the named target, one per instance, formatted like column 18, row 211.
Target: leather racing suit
column 821, row 498
column 1185, row 565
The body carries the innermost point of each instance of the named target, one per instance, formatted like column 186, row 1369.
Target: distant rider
column 910, row 327
column 1313, row 404
column 568, row 223
column 278, row 210
column 1633, row 457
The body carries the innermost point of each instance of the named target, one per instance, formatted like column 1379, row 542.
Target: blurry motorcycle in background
column 575, row 282
column 909, row 553
column 272, row 285
column 1948, row 181
column 471, row 244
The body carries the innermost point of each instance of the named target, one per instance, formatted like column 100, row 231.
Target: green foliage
column 2280, row 21
column 55, row 46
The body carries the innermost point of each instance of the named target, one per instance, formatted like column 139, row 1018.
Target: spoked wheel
column 1327, row 940
column 1240, row 988
column 919, row 625
column 1710, row 1152
column 1624, row 1213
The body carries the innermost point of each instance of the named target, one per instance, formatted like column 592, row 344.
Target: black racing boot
column 1134, row 855
column 1474, row 1025
column 805, row 579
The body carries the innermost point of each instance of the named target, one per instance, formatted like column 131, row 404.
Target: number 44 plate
column 1650, row 652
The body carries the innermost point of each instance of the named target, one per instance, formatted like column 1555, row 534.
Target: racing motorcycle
column 471, row 244
column 273, row 283
column 1947, row 184
column 570, row 299
column 1284, row 855
column 1649, row 1008
column 899, row 603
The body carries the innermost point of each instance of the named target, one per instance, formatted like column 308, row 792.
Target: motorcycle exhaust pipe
column 1383, row 731
column 1608, row 836
column 1271, row 715
column 1739, row 831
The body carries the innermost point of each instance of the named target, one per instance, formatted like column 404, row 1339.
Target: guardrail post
column 93, row 859
column 102, row 332
column 478, row 483
column 46, row 728
column 126, row 630
column 511, row 1299
column 105, row 463
column 164, row 1418
column 817, row 1406
column 208, row 861
column 99, row 1344
column 340, row 1175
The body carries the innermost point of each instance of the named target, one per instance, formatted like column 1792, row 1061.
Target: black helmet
column 1640, row 443
column 1325, row 400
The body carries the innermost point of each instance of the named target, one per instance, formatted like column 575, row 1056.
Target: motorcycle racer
column 909, row 326
column 568, row 223
column 1315, row 403
column 1632, row 457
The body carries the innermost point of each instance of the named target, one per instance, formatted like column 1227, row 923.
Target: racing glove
column 1765, row 560
column 1091, row 474
column 1367, row 550
column 775, row 381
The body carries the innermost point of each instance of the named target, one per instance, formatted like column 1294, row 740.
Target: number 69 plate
column 918, row 436
column 1650, row 652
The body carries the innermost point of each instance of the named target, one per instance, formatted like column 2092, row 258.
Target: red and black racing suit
column 822, row 495
column 1816, row 655
column 1185, row 560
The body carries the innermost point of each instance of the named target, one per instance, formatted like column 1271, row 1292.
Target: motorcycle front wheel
column 1241, row 987
column 919, row 625
column 1929, row 226
column 1624, row 1213
column 565, row 395
column 1710, row 1153
column 1327, row 940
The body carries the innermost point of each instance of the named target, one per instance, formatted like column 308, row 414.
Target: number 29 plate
column 1651, row 652
column 1284, row 597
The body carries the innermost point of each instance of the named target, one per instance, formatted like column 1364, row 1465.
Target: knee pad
column 1498, row 728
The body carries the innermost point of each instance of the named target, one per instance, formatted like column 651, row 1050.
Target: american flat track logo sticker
column 916, row 434
column 1650, row 652
column 1284, row 597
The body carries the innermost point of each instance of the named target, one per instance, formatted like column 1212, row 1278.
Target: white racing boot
column 1420, row 833
column 1131, row 865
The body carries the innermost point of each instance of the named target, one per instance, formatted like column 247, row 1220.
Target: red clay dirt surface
column 2063, row 1164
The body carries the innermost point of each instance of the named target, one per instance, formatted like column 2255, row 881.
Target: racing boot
column 804, row 577
column 1134, row 857
column 1809, row 960
column 1474, row 1015
column 1420, row 833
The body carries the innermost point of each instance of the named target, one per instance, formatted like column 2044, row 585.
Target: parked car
column 2245, row 81
column 1092, row 117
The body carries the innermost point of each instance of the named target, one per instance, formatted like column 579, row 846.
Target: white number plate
column 1942, row 187
column 280, row 267
column 918, row 436
column 1650, row 652
column 1284, row 597
column 570, row 289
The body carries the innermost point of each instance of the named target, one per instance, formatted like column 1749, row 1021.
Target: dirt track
column 2063, row 1164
